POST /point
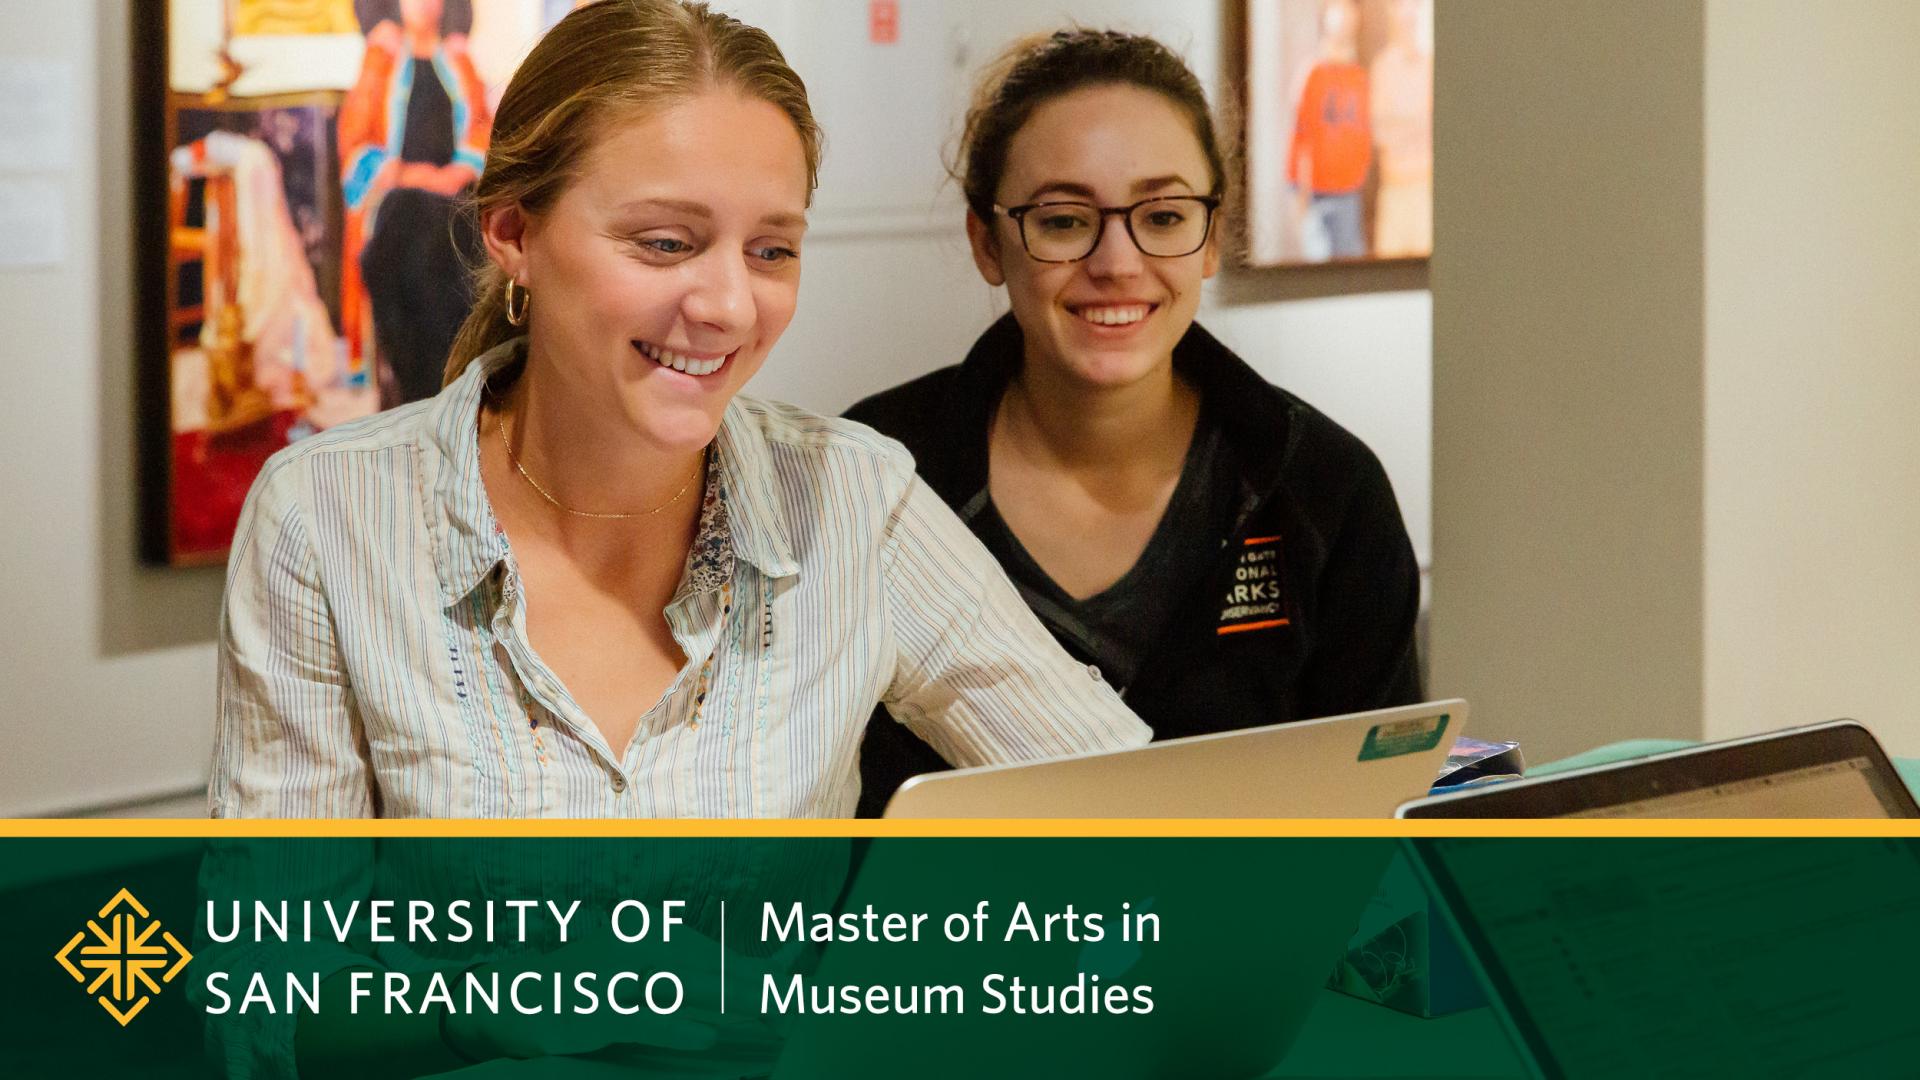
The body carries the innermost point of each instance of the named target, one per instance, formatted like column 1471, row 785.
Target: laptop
column 1229, row 975
column 1356, row 766
column 1831, row 770
column 1677, row 956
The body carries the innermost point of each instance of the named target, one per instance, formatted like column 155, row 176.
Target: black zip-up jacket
column 1311, row 607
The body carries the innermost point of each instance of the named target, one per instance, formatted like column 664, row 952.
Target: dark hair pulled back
column 1036, row 70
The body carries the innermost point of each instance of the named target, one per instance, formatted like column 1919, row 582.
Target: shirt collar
column 468, row 544
column 757, row 519
column 467, row 540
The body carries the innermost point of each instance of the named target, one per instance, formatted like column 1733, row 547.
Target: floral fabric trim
column 710, row 563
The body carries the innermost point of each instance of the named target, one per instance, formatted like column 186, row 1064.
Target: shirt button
column 619, row 783
column 1094, row 671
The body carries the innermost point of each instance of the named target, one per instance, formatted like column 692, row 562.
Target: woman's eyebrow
column 1061, row 187
column 779, row 219
column 1082, row 191
column 685, row 206
column 1155, row 183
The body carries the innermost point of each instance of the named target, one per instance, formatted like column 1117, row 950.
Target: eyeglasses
column 1166, row 227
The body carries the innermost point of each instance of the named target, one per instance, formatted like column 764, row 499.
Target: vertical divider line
column 723, row 958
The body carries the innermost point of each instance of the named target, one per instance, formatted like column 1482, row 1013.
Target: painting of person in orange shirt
column 413, row 135
column 1338, row 137
column 1332, row 146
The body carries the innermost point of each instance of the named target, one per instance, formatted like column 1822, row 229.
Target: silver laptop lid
column 1354, row 766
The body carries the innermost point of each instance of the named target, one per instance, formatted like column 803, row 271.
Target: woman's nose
column 722, row 294
column 1116, row 255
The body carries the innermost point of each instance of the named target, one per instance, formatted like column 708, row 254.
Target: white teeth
column 1114, row 316
column 678, row 362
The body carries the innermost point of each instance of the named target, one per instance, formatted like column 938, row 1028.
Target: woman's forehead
column 1112, row 138
column 719, row 148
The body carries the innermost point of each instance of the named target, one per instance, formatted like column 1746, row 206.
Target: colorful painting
column 1339, row 130
column 302, row 168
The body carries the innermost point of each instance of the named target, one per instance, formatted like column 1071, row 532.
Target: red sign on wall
column 883, row 21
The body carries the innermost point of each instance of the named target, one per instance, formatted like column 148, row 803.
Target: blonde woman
column 588, row 579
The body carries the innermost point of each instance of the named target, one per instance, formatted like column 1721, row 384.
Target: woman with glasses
column 1213, row 546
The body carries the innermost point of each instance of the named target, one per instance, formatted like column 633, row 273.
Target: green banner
column 959, row 957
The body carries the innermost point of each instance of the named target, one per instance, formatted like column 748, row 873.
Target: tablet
column 1831, row 770
column 1689, row 956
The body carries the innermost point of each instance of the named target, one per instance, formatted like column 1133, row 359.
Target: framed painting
column 1338, row 137
column 300, row 172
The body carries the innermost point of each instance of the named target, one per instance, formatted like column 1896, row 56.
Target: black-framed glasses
column 1165, row 227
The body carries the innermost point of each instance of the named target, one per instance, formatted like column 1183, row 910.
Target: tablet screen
column 1694, row 957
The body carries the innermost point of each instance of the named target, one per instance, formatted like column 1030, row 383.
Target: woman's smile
column 1112, row 318
column 684, row 361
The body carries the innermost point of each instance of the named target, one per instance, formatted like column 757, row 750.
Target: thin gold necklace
column 500, row 419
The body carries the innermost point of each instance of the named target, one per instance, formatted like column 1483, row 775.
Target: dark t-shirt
column 1117, row 628
column 429, row 135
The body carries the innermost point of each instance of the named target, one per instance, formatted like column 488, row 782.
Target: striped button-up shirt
column 374, row 657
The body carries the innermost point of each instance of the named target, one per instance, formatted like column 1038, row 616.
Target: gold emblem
column 125, row 956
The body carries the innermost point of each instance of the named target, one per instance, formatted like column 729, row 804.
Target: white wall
column 107, row 668
column 106, row 675
column 1813, row 366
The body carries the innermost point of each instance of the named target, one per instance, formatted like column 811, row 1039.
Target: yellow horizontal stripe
column 953, row 827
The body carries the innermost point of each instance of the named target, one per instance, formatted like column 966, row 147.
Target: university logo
column 132, row 956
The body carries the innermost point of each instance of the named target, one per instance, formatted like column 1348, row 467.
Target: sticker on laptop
column 1397, row 737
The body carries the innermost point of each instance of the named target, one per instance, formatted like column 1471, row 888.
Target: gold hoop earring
column 526, row 300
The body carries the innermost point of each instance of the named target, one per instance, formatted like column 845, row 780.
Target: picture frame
column 1346, row 85
column 296, row 164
